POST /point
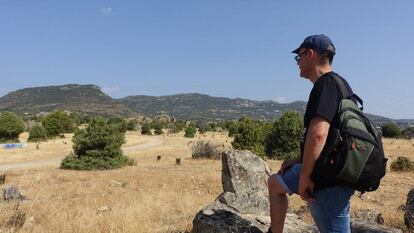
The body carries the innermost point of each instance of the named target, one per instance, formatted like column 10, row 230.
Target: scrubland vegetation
column 156, row 195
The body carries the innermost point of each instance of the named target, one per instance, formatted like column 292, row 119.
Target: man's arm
column 315, row 141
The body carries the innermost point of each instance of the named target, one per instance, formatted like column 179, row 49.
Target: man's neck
column 318, row 72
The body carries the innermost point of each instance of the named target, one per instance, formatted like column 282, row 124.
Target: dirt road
column 153, row 142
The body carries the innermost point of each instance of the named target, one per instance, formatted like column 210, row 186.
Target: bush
column 203, row 127
column 179, row 125
column 190, row 131
column 11, row 126
column 205, row 149
column 233, row 128
column 119, row 123
column 402, row 164
column 251, row 136
column 391, row 130
column 37, row 133
column 283, row 139
column 132, row 124
column 408, row 132
column 158, row 129
column 57, row 122
column 146, row 129
column 96, row 147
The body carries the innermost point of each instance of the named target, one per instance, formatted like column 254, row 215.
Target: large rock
column 409, row 210
column 12, row 193
column 369, row 215
column 364, row 227
column 243, row 207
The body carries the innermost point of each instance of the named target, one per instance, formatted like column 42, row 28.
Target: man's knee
column 274, row 185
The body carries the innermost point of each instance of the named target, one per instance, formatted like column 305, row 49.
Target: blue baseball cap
column 320, row 43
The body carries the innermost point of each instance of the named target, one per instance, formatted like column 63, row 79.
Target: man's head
column 316, row 51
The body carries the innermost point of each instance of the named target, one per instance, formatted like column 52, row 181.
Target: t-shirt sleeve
column 326, row 100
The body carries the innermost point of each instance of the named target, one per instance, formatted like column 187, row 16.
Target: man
column 328, row 202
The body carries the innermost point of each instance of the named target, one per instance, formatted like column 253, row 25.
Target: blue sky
column 229, row 48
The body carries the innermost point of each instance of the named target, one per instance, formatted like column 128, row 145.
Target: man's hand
column 288, row 163
column 306, row 188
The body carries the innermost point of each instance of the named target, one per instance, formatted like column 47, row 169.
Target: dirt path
column 153, row 142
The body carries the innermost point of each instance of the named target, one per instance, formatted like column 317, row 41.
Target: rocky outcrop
column 409, row 211
column 364, row 227
column 243, row 207
column 370, row 216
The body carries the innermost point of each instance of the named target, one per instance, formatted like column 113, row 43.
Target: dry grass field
column 152, row 196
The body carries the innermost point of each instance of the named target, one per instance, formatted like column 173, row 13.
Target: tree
column 283, row 139
column 146, row 129
column 96, row 147
column 37, row 133
column 190, row 131
column 11, row 126
column 408, row 132
column 179, row 125
column 158, row 129
column 251, row 136
column 391, row 130
column 119, row 123
column 233, row 128
column 57, row 122
column 132, row 124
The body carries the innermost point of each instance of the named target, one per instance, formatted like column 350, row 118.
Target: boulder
column 409, row 210
column 243, row 207
column 244, row 204
column 11, row 193
column 364, row 227
column 369, row 216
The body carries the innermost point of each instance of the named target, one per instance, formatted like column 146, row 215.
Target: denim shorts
column 331, row 209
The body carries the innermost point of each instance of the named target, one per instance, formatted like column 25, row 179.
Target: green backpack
column 353, row 154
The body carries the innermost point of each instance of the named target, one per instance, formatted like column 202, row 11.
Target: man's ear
column 312, row 54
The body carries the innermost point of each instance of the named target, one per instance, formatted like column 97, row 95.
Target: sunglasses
column 297, row 57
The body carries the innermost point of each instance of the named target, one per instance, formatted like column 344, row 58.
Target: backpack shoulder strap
column 344, row 91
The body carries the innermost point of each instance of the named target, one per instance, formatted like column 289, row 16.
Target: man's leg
column 278, row 204
column 331, row 209
column 279, row 186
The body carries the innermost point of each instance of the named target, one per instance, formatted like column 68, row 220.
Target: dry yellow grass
column 58, row 147
column 158, row 196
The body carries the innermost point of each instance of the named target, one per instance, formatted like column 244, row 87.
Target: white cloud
column 106, row 10
column 109, row 90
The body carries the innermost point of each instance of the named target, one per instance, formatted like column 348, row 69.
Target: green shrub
column 179, row 125
column 391, row 130
column 11, row 126
column 37, row 133
column 402, row 164
column 57, row 122
column 251, row 136
column 233, row 128
column 158, row 129
column 146, row 129
column 408, row 132
column 119, row 123
column 190, row 131
column 96, row 147
column 283, row 140
column 132, row 124
column 206, row 149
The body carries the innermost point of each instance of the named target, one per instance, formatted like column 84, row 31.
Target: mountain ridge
column 90, row 99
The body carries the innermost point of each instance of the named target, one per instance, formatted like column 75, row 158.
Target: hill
column 196, row 106
column 87, row 99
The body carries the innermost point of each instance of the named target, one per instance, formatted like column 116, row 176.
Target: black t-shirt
column 324, row 99
column 324, row 102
